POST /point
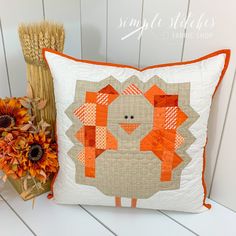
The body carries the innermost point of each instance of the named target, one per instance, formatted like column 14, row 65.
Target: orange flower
column 12, row 113
column 41, row 158
column 23, row 152
column 12, row 154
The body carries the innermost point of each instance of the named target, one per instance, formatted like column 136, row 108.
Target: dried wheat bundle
column 33, row 38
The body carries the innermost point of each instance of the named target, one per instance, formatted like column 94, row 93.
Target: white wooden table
column 17, row 218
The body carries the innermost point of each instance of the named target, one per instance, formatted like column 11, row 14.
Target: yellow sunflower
column 12, row 113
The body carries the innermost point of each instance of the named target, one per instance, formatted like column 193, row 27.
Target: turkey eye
column 126, row 117
column 131, row 117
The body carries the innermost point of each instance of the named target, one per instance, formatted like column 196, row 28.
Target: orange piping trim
column 118, row 201
column 51, row 195
column 203, row 179
column 133, row 202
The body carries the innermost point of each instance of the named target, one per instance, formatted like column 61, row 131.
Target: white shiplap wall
column 158, row 44
column 93, row 29
column 93, row 32
column 13, row 12
column 68, row 13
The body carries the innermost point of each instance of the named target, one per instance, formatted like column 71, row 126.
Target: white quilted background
column 203, row 77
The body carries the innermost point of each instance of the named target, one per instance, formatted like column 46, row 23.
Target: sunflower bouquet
column 28, row 154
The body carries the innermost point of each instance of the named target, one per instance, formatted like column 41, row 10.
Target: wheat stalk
column 33, row 38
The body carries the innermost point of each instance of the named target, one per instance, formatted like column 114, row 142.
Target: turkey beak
column 129, row 127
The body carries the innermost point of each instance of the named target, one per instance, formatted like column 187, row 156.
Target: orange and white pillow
column 130, row 137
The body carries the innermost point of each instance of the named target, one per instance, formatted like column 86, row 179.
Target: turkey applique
column 130, row 139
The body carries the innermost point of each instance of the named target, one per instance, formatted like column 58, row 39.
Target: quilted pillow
column 130, row 137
